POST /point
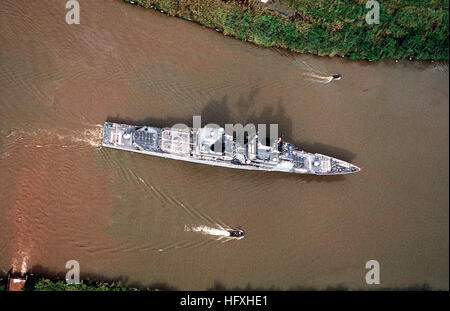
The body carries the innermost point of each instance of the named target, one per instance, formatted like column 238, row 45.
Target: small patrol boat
column 236, row 233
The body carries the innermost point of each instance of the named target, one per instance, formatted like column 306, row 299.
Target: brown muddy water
column 126, row 216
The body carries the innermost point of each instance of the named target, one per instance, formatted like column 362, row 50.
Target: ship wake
column 313, row 74
column 219, row 233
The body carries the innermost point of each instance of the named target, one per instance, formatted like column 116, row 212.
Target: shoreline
column 38, row 282
column 343, row 32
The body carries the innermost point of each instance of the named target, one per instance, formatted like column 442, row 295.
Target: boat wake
column 91, row 136
column 313, row 74
column 207, row 230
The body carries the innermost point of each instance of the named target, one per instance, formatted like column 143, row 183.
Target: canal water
column 157, row 222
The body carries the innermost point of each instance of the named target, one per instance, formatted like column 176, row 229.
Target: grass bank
column 416, row 29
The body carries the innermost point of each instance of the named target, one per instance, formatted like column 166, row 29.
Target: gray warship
column 212, row 146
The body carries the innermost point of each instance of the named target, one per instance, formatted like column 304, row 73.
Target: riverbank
column 407, row 29
column 41, row 283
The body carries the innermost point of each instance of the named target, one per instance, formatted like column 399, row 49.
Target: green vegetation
column 44, row 284
column 40, row 283
column 417, row 29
